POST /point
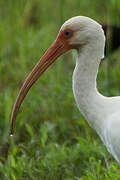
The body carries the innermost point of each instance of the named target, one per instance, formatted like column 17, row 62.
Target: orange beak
column 58, row 48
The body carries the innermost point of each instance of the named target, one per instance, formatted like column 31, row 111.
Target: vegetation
column 52, row 140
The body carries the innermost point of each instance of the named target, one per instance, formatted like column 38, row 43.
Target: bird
column 102, row 113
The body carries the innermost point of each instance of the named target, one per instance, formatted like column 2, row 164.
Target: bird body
column 102, row 113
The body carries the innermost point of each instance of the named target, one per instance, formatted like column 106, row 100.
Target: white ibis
column 102, row 113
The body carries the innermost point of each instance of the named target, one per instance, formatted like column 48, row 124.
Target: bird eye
column 67, row 33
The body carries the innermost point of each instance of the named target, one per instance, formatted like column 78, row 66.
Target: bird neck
column 87, row 97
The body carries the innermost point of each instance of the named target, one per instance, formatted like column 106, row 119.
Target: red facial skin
column 59, row 47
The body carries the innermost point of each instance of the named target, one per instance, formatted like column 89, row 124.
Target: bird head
column 79, row 31
column 74, row 34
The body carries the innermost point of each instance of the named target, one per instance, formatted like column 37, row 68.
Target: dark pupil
column 67, row 33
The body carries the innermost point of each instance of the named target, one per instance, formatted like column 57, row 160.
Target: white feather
column 102, row 113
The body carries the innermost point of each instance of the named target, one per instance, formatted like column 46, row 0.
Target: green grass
column 52, row 140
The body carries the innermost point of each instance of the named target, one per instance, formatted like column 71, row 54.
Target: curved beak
column 55, row 50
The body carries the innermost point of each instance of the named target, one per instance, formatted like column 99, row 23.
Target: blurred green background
column 52, row 140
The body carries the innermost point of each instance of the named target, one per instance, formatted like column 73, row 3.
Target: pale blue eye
column 67, row 33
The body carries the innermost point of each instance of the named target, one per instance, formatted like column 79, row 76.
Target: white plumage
column 102, row 113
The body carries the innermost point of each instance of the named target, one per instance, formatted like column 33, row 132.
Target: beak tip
column 11, row 134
